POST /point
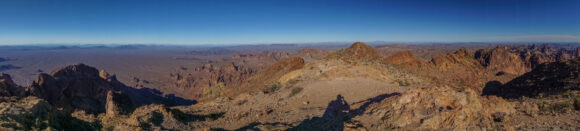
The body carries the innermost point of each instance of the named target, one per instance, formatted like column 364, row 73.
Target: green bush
column 272, row 87
column 295, row 91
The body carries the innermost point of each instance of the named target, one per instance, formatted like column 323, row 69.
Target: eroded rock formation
column 435, row 108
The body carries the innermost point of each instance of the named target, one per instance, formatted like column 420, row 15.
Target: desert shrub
column 557, row 106
column 403, row 82
column 214, row 91
column 293, row 81
column 295, row 91
column 272, row 87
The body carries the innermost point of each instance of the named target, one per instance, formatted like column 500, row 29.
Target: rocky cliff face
column 501, row 59
column 204, row 77
column 81, row 87
column 8, row 88
column 118, row 103
column 459, row 59
column 73, row 87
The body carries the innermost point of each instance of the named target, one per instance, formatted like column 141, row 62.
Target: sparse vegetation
column 272, row 87
column 403, row 82
column 556, row 106
column 292, row 82
column 214, row 91
column 295, row 91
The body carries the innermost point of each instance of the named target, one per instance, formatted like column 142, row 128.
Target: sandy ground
column 291, row 110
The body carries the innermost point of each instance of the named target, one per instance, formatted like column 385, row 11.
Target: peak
column 360, row 45
column 358, row 51
column 76, row 70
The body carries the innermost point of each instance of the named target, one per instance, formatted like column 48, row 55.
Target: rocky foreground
column 504, row 88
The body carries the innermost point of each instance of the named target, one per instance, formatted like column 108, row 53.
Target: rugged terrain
column 390, row 87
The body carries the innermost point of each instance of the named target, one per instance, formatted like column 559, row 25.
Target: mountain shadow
column 546, row 79
column 491, row 88
column 337, row 113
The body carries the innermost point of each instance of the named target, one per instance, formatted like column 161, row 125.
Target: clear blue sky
column 279, row 21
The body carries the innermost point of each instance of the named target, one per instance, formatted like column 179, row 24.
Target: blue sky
column 280, row 21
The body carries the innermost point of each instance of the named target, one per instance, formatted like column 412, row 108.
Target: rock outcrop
column 118, row 103
column 459, row 59
column 151, row 117
column 8, row 87
column 73, row 87
column 435, row 108
column 501, row 59
column 25, row 114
